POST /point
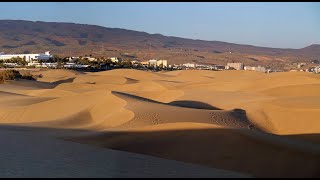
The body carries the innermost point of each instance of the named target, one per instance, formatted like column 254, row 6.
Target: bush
column 14, row 75
column 10, row 75
column 18, row 60
column 28, row 76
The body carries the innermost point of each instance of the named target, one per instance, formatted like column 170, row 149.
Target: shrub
column 28, row 76
column 14, row 75
column 10, row 75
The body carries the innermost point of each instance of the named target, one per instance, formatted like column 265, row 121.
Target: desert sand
column 263, row 125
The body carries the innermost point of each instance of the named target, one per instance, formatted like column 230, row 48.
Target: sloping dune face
column 266, row 125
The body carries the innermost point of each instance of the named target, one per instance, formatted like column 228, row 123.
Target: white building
column 189, row 65
column 317, row 69
column 158, row 63
column 249, row 68
column 163, row 63
column 27, row 57
column 258, row 68
column 261, row 69
column 69, row 65
column 153, row 62
column 219, row 67
column 73, row 65
column 11, row 64
column 43, row 65
column 237, row 66
column 114, row 59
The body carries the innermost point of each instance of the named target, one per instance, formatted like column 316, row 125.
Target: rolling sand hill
column 265, row 125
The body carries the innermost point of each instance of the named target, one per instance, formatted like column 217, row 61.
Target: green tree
column 55, row 58
column 18, row 60
column 84, row 61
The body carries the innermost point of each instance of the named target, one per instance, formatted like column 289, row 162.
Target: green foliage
column 18, row 60
column 84, row 61
column 55, row 58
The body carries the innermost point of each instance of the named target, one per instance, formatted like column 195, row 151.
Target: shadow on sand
column 193, row 104
column 69, row 80
column 218, row 148
column 182, row 103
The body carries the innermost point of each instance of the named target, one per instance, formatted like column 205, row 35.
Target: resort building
column 237, row 66
column 144, row 63
column 153, row 62
column 261, row 69
column 162, row 63
column 114, row 59
column 219, row 67
column 27, row 57
column 258, row 68
column 249, row 68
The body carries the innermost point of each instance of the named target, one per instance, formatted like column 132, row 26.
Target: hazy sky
column 283, row 25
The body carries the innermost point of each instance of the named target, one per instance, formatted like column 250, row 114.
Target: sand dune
column 56, row 75
column 149, row 112
column 219, row 119
column 213, row 146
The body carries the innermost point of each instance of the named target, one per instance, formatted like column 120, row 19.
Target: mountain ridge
column 73, row 39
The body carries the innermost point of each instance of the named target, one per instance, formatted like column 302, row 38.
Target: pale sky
column 279, row 25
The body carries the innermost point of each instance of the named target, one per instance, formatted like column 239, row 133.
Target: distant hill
column 17, row 36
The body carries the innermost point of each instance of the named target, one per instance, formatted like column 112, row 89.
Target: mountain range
column 70, row 39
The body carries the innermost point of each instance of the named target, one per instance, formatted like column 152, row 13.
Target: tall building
column 153, row 62
column 163, row 63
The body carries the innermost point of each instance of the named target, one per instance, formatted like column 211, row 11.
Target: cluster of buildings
column 198, row 66
column 229, row 66
column 33, row 60
column 70, row 65
column 315, row 69
column 43, row 65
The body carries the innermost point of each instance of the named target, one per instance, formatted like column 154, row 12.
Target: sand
column 265, row 125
